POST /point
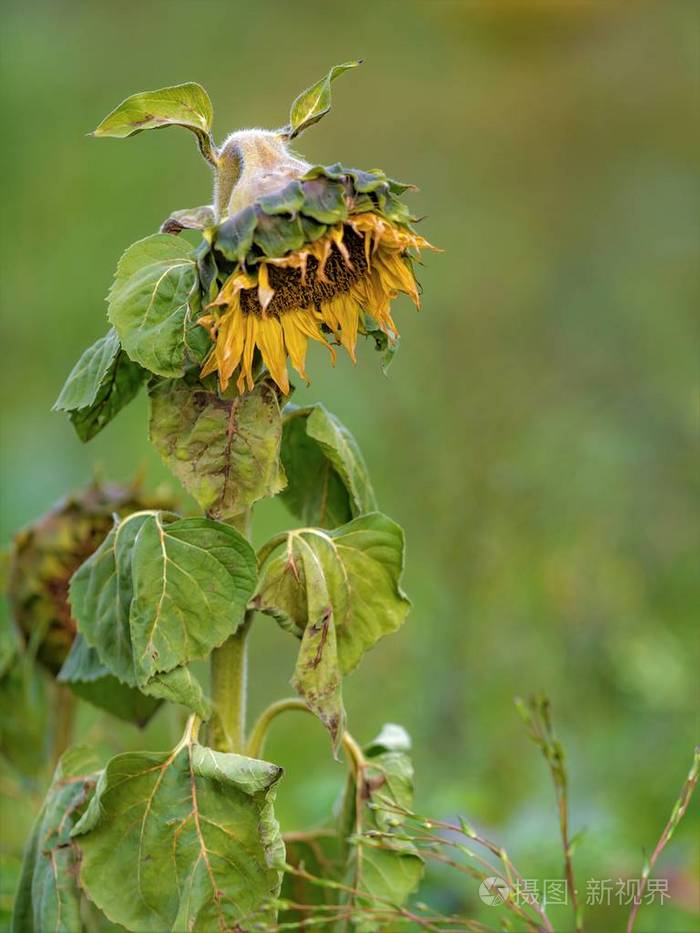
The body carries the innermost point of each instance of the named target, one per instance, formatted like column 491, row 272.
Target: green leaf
column 88, row 374
column 100, row 384
column 159, row 593
column 180, row 686
column 327, row 478
column 91, row 680
column 315, row 101
column 339, row 591
column 225, row 452
column 183, row 840
column 153, row 302
column 193, row 218
column 381, row 864
column 185, row 105
column 48, row 897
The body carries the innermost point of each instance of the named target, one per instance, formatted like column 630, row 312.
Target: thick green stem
column 229, row 688
column 229, row 678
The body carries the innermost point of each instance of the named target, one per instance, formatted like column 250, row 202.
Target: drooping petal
column 271, row 342
column 265, row 291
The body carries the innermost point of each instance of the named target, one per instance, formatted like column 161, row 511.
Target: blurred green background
column 536, row 435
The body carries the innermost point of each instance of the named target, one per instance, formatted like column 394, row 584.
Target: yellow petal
column 271, row 342
column 246, row 375
column 296, row 341
column 265, row 291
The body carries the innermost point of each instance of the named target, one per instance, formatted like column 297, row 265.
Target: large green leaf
column 48, row 896
column 340, row 592
column 327, row 478
column 382, row 866
column 91, row 680
column 159, row 593
column 185, row 105
column 225, row 452
column 315, row 101
column 153, row 302
column 183, row 840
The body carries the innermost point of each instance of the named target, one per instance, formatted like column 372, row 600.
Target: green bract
column 302, row 211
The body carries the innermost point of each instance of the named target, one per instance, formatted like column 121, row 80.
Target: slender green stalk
column 256, row 742
column 677, row 814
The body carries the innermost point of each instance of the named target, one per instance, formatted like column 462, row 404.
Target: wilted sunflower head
column 302, row 253
column 46, row 554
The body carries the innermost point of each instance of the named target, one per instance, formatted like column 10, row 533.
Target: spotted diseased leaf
column 100, row 384
column 381, row 865
column 186, row 105
column 90, row 679
column 160, row 592
column 224, row 451
column 339, row 591
column 48, row 897
column 154, row 302
column 315, row 101
column 327, row 479
column 183, row 840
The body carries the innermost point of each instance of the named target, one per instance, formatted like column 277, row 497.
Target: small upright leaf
column 91, row 680
column 48, row 896
column 380, row 862
column 225, row 452
column 339, row 591
column 159, row 593
column 327, row 478
column 100, row 384
column 185, row 105
column 315, row 101
column 153, row 302
column 183, row 840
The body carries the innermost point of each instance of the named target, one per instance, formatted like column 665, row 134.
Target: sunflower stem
column 229, row 677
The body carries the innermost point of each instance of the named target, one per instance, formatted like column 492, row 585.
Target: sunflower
column 320, row 258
